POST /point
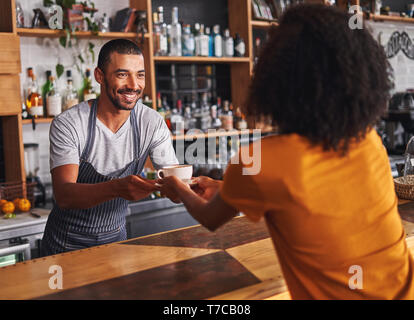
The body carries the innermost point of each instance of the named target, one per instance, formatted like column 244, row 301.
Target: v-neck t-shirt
column 110, row 152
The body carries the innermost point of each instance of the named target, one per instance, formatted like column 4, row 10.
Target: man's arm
column 72, row 195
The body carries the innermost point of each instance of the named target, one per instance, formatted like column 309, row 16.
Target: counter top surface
column 237, row 261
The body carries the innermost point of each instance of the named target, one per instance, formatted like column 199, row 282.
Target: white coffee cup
column 181, row 171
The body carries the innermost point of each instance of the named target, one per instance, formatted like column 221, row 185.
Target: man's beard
column 116, row 102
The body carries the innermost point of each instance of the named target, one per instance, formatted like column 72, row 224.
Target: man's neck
column 109, row 115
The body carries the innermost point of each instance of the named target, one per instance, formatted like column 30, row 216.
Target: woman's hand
column 135, row 188
column 206, row 187
column 170, row 186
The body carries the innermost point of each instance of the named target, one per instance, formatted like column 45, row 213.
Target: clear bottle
column 218, row 41
column 88, row 90
column 197, row 38
column 226, row 116
column 188, row 41
column 163, row 32
column 169, row 39
column 177, row 120
column 176, row 48
column 167, row 109
column 45, row 90
column 156, row 34
column 71, row 95
column 160, row 108
column 239, row 46
column 189, row 121
column 204, row 42
column 228, row 44
column 54, row 99
column 34, row 100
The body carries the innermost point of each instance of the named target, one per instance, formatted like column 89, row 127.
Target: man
column 97, row 150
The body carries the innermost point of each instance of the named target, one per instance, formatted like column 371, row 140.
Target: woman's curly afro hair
column 320, row 79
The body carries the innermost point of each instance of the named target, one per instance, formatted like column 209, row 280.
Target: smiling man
column 98, row 148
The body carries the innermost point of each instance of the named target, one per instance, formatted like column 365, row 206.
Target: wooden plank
column 30, row 279
column 7, row 14
column 10, row 54
column 50, row 33
column 13, row 148
column 10, row 103
column 200, row 59
column 150, row 84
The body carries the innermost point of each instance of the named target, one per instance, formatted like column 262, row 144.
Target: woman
column 325, row 187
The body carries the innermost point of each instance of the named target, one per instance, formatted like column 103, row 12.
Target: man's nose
column 133, row 83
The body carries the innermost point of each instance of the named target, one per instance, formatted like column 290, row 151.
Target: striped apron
column 73, row 229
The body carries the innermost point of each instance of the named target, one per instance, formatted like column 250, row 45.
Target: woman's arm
column 210, row 213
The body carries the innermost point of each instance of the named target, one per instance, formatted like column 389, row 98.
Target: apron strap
column 136, row 131
column 91, row 131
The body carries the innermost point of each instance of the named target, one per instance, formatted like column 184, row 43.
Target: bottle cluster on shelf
column 48, row 100
column 206, row 115
column 178, row 39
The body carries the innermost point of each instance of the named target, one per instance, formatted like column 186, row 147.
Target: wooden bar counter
column 237, row 261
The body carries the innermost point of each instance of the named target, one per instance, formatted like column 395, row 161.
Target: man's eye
column 141, row 75
column 122, row 75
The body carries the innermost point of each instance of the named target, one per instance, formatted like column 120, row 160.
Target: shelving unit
column 49, row 33
column 376, row 17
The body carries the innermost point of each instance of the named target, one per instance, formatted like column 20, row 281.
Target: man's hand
column 206, row 187
column 135, row 188
column 169, row 187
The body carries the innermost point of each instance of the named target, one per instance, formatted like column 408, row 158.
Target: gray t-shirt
column 110, row 152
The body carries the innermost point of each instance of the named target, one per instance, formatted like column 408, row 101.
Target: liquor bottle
column 71, row 96
column 156, row 34
column 218, row 42
column 177, row 120
column 226, row 117
column 188, row 41
column 176, row 49
column 239, row 46
column 189, row 121
column 197, row 38
column 219, row 107
column 88, row 91
column 169, row 39
column 45, row 90
column 228, row 44
column 163, row 32
column 34, row 100
column 237, row 118
column 257, row 45
column 204, row 42
column 210, row 42
column 215, row 120
column 160, row 108
column 54, row 99
column 167, row 109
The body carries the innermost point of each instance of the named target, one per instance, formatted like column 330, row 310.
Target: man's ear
column 99, row 76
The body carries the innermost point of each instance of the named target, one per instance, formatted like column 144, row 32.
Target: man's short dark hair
column 320, row 79
column 121, row 46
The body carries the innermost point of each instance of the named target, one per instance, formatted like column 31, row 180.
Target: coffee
column 183, row 172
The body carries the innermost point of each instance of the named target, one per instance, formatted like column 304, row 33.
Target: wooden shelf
column 217, row 134
column 49, row 33
column 201, row 59
column 39, row 120
column 263, row 24
column 376, row 17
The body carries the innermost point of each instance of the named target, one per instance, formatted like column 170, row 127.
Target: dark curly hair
column 320, row 79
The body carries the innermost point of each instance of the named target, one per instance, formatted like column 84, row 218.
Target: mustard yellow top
column 333, row 220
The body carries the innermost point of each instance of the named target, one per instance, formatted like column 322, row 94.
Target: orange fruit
column 16, row 202
column 24, row 205
column 8, row 207
column 2, row 201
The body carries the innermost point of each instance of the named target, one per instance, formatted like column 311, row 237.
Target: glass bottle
column 176, row 49
column 156, row 33
column 160, row 108
column 34, row 100
column 226, row 117
column 88, row 91
column 239, row 46
column 71, row 95
column 163, row 32
column 54, row 99
column 197, row 38
column 19, row 15
column 188, row 41
column 228, row 44
column 204, row 42
column 45, row 90
column 167, row 109
column 218, row 42
column 177, row 120
column 210, row 42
